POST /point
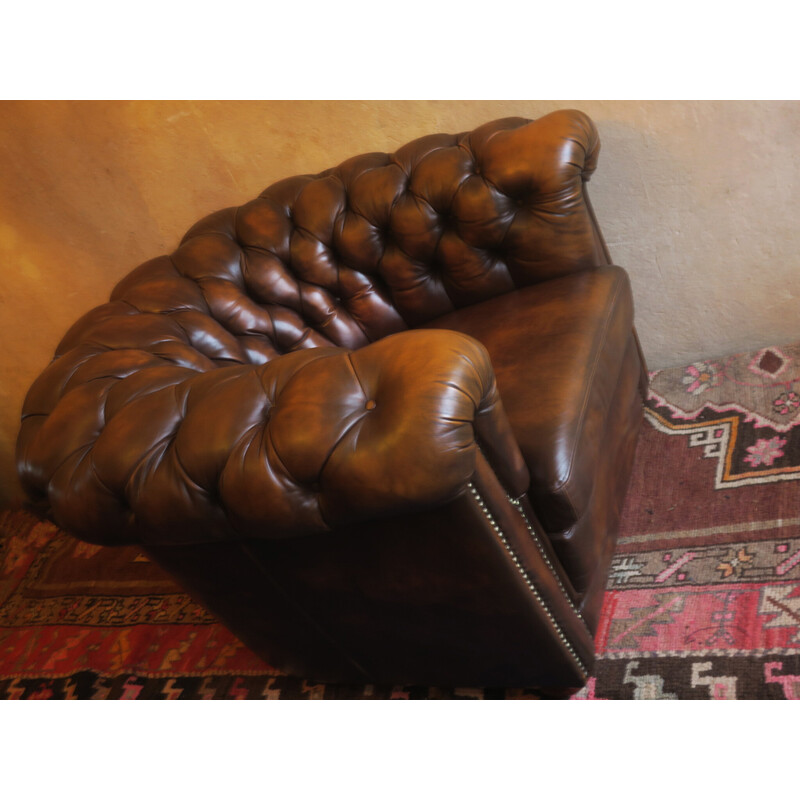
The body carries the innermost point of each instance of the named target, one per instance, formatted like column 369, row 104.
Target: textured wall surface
column 697, row 200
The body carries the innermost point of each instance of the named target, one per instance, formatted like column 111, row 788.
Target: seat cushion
column 557, row 349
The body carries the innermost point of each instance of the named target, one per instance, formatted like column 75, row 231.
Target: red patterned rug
column 703, row 600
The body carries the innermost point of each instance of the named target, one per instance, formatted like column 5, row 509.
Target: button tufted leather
column 310, row 377
column 319, row 438
column 344, row 259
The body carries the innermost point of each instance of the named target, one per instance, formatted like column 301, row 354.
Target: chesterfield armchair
column 379, row 420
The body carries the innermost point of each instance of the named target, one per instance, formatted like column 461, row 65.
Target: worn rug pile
column 703, row 600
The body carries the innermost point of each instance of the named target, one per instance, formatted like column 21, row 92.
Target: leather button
column 370, row 405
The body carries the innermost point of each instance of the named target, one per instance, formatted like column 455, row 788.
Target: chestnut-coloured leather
column 423, row 599
column 570, row 334
column 587, row 547
column 309, row 389
column 316, row 439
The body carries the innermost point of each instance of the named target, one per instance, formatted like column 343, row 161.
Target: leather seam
column 488, row 461
column 349, row 358
column 562, row 485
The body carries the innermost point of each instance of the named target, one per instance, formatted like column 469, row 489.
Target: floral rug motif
column 742, row 411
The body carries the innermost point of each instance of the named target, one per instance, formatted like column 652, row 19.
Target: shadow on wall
column 697, row 201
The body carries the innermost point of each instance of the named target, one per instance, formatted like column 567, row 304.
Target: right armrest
column 400, row 426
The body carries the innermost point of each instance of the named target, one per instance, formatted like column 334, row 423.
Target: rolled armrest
column 141, row 448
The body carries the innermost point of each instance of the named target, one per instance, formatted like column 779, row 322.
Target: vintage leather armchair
column 379, row 420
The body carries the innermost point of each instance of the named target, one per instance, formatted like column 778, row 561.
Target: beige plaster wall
column 696, row 199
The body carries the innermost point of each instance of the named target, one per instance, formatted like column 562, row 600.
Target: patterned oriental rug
column 703, row 600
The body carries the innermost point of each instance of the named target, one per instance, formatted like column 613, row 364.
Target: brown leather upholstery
column 570, row 333
column 309, row 390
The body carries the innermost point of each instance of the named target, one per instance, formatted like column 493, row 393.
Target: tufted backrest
column 126, row 427
column 378, row 244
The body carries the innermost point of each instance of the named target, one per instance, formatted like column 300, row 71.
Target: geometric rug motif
column 713, row 678
column 704, row 613
column 742, row 411
column 718, row 622
column 703, row 596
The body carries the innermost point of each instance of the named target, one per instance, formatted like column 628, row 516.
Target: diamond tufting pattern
column 225, row 389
